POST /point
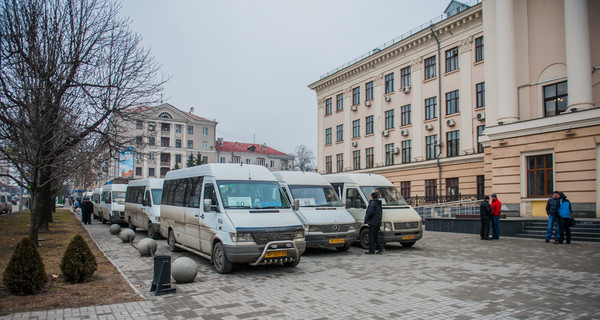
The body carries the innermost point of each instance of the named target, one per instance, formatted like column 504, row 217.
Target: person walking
column 86, row 211
column 373, row 218
column 565, row 213
column 552, row 212
column 485, row 213
column 496, row 208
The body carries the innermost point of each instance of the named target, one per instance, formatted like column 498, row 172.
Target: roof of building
column 168, row 106
column 229, row 146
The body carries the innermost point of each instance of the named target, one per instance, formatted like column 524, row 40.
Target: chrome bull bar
column 262, row 260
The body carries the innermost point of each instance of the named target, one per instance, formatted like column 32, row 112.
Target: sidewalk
column 445, row 276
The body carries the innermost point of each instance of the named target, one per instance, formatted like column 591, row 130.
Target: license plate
column 275, row 254
column 408, row 237
column 336, row 240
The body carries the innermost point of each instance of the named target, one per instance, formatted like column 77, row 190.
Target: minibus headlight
column 299, row 234
column 387, row 226
column 314, row 228
column 241, row 237
column 351, row 227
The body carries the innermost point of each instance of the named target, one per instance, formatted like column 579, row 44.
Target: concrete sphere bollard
column 114, row 229
column 147, row 247
column 127, row 235
column 184, row 270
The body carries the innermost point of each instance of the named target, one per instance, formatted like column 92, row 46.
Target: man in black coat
column 485, row 213
column 373, row 219
column 87, row 208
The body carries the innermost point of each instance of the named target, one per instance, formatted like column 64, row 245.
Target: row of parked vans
column 238, row 213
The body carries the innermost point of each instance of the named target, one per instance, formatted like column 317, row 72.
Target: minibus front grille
column 406, row 225
column 266, row 237
column 335, row 228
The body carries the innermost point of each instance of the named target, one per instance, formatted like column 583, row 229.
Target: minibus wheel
column 345, row 247
column 151, row 233
column 364, row 238
column 171, row 241
column 408, row 244
column 130, row 225
column 222, row 265
column 102, row 219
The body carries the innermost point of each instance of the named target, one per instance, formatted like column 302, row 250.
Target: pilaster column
column 508, row 105
column 579, row 61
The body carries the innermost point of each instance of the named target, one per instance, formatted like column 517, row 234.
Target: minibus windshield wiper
column 271, row 207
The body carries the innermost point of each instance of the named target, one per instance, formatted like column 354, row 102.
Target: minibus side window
column 210, row 194
column 193, row 197
column 148, row 198
column 353, row 199
column 338, row 187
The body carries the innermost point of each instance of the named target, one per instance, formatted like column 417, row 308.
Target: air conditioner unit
column 354, row 143
column 404, row 132
column 354, row 108
column 450, row 122
column 481, row 116
column 406, row 89
column 368, row 103
column 388, row 98
column 396, row 150
column 385, row 133
column 429, row 127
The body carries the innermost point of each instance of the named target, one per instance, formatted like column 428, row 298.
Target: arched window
column 165, row 115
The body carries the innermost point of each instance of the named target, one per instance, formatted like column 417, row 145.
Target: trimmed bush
column 78, row 263
column 25, row 272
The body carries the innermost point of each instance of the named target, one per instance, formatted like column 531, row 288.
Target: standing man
column 496, row 207
column 485, row 212
column 373, row 219
column 552, row 212
column 86, row 211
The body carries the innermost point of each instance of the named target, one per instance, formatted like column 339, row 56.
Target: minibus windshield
column 252, row 195
column 389, row 196
column 119, row 197
column 156, row 196
column 315, row 196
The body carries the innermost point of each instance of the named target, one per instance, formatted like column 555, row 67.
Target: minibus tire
column 291, row 264
column 364, row 238
column 408, row 244
column 220, row 261
column 171, row 242
column 102, row 219
column 130, row 225
column 151, row 233
column 344, row 248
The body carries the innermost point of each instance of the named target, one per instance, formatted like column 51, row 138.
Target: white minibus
column 400, row 222
column 327, row 224
column 96, row 195
column 5, row 203
column 112, row 203
column 142, row 205
column 230, row 213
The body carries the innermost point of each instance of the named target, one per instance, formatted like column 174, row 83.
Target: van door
column 146, row 209
column 190, row 194
column 211, row 215
column 355, row 204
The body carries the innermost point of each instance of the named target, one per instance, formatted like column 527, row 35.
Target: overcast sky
column 247, row 64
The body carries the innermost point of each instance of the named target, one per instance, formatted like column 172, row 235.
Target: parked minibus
column 326, row 222
column 401, row 223
column 96, row 195
column 230, row 213
column 5, row 202
column 142, row 205
column 112, row 203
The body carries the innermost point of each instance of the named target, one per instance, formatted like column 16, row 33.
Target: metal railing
column 449, row 209
column 419, row 201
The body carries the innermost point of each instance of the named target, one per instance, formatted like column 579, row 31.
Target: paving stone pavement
column 444, row 276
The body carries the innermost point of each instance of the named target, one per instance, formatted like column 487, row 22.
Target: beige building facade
column 518, row 93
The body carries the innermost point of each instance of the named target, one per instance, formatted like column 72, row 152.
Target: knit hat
column 494, row 195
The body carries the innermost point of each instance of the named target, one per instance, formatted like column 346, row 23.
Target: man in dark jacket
column 373, row 219
column 552, row 212
column 485, row 213
column 87, row 209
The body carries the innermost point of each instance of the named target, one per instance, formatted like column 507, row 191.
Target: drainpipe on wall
column 439, row 144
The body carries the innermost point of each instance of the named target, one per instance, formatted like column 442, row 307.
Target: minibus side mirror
column 348, row 203
column 207, row 203
column 296, row 205
column 357, row 203
column 144, row 202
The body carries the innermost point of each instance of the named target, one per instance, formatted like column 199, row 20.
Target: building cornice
column 470, row 158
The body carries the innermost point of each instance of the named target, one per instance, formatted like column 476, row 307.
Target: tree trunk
column 34, row 205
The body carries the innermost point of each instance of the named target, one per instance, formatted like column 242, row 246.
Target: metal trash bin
column 161, row 283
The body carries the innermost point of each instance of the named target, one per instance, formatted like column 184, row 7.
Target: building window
column 356, row 128
column 430, row 68
column 328, row 106
column 340, row 102
column 480, row 89
column 356, row 96
column 356, row 159
column 540, row 176
column 138, row 141
column 430, row 144
column 389, row 83
column 177, row 143
column 406, row 151
column 236, row 159
column 479, row 134
column 555, row 99
column 165, row 127
column 479, row 49
column 340, row 162
column 177, row 158
column 178, row 128
column 205, row 145
column 190, row 144
column 452, row 189
column 369, row 125
column 247, row 161
column 405, row 189
column 205, row 131
column 164, row 142
column 138, row 171
column 452, row 105
column 163, row 171
column 328, row 164
column 151, row 172
column 452, row 59
column 405, row 115
column 222, row 160
column 405, row 77
column 165, row 159
column 190, row 129
column 370, row 154
column 389, row 154
column 151, row 156
column 340, row 133
column 139, row 124
column 204, row 159
column 431, row 108
column 430, row 190
column 151, row 126
column 328, row 136
column 389, row 119
column 261, row 162
column 272, row 163
column 480, row 187
column 284, row 165
column 452, row 143
column 369, row 91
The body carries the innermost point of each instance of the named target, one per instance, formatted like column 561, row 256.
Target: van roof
column 154, row 183
column 224, row 171
column 361, row 179
column 300, row 178
column 114, row 187
column 97, row 191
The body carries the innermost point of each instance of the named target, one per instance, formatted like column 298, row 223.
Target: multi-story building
column 514, row 114
column 253, row 153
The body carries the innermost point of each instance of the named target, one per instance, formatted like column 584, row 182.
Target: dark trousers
column 86, row 217
column 564, row 229
column 374, row 240
column 484, row 233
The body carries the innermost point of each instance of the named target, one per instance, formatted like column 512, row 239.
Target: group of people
column 560, row 215
column 490, row 213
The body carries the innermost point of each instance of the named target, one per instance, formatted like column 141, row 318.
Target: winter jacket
column 552, row 206
column 485, row 210
column 564, row 209
column 496, row 206
column 374, row 213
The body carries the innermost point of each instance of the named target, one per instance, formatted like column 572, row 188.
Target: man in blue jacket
column 552, row 212
column 373, row 219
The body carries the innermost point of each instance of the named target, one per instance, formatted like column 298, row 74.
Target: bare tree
column 68, row 68
column 304, row 159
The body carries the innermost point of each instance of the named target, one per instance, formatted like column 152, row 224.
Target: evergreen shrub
column 25, row 272
column 78, row 263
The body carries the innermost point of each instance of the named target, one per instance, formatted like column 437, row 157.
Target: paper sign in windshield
column 239, row 202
